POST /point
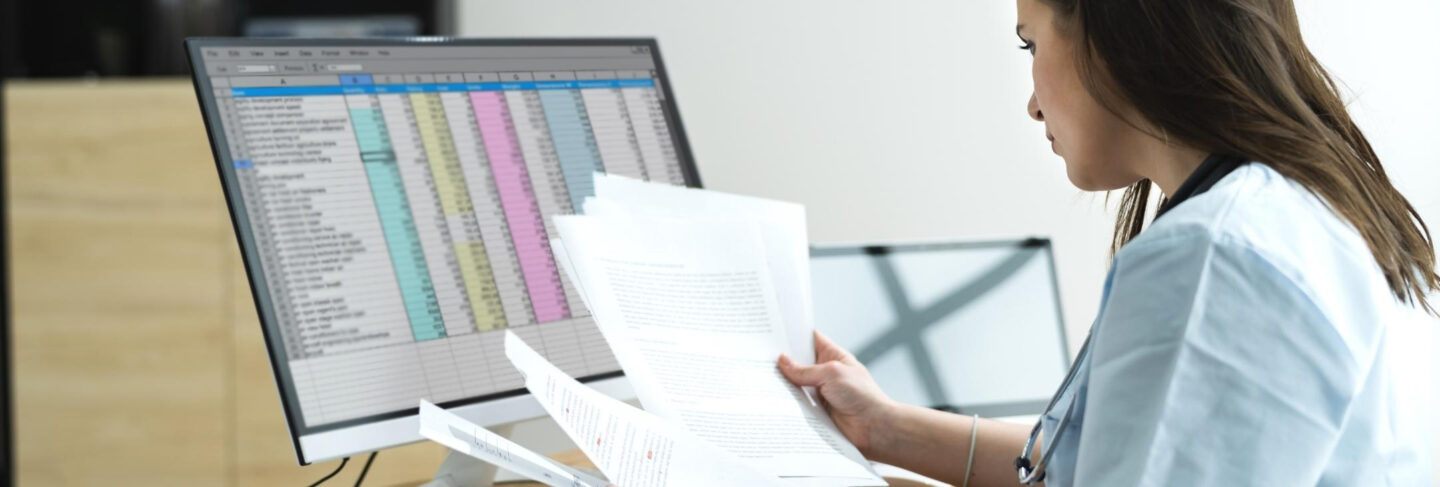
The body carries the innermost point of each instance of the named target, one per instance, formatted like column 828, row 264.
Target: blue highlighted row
column 362, row 89
column 243, row 164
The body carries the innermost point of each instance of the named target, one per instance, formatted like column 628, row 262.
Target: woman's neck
column 1169, row 165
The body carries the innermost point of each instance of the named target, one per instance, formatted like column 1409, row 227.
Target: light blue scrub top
column 1242, row 340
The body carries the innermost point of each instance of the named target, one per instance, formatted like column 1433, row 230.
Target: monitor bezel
column 204, row 92
column 1002, row 409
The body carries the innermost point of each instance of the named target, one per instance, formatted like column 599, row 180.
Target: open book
column 697, row 293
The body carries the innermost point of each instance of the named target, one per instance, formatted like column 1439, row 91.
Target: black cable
column 332, row 474
column 368, row 461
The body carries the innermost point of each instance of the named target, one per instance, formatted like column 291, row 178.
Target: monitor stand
column 461, row 470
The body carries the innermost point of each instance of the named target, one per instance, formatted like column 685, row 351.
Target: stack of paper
column 697, row 293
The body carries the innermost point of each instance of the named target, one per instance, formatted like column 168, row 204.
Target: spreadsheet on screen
column 398, row 201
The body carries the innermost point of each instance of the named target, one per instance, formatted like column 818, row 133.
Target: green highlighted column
column 396, row 220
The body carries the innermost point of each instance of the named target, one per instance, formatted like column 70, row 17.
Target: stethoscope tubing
column 1027, row 474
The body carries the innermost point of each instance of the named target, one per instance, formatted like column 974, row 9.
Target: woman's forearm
column 936, row 444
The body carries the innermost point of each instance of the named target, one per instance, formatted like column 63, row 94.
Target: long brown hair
column 1234, row 77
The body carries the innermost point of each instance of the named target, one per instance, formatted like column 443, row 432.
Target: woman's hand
column 852, row 397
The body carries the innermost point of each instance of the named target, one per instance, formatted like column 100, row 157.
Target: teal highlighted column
column 574, row 141
column 398, row 224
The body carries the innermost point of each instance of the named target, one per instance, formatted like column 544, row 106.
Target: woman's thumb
column 801, row 375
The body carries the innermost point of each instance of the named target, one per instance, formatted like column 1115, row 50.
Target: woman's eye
column 1028, row 46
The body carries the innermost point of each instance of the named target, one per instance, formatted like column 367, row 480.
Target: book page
column 689, row 307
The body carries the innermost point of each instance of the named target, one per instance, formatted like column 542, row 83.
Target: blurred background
column 133, row 354
column 133, row 38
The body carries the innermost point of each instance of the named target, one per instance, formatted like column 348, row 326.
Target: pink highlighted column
column 522, row 213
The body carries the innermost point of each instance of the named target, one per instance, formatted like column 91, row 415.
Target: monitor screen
column 933, row 323
column 393, row 201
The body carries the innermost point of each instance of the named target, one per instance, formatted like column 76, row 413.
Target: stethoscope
column 1028, row 474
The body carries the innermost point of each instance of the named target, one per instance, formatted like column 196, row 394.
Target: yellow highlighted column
column 450, row 185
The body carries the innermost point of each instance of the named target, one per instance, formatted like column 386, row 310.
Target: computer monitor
column 971, row 327
column 392, row 201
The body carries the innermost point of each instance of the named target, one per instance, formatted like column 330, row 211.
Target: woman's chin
column 1079, row 179
column 1084, row 181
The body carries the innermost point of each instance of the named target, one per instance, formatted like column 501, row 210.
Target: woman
column 1241, row 338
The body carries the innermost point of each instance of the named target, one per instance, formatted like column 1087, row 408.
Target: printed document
column 689, row 304
column 471, row 439
column 631, row 447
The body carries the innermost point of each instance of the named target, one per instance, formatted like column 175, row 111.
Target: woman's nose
column 1034, row 108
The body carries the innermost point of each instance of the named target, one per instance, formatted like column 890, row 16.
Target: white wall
column 906, row 120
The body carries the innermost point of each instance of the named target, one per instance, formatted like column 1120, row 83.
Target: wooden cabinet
column 138, row 358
